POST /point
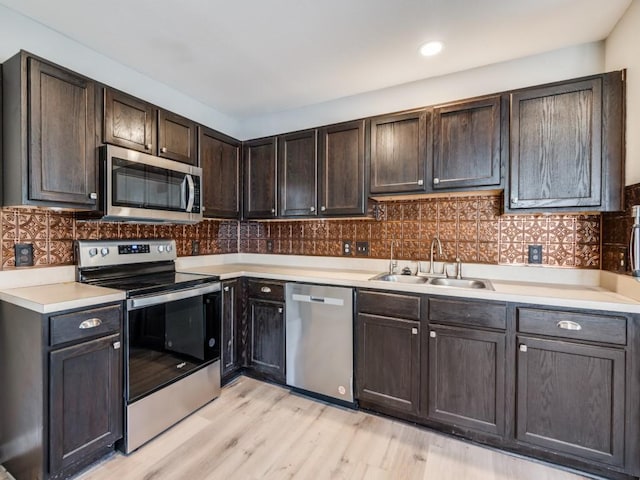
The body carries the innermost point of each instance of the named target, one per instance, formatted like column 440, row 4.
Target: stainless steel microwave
column 142, row 187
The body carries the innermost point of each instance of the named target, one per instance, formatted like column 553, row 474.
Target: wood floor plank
column 260, row 431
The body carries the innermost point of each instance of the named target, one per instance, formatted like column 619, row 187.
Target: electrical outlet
column 269, row 246
column 24, row 254
column 362, row 248
column 346, row 247
column 535, row 254
column 195, row 247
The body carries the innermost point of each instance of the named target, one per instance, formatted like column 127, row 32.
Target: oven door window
column 169, row 341
column 137, row 185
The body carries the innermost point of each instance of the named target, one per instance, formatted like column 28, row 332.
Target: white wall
column 562, row 64
column 19, row 32
column 622, row 52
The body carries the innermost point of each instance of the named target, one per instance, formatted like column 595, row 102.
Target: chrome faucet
column 433, row 242
column 393, row 264
column 458, row 268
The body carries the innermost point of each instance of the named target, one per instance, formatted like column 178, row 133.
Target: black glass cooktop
column 155, row 282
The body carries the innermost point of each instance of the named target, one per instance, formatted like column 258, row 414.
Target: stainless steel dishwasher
column 319, row 339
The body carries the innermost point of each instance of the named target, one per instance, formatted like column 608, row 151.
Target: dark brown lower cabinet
column 388, row 362
column 229, row 348
column 466, row 378
column 85, row 394
column 266, row 337
column 571, row 399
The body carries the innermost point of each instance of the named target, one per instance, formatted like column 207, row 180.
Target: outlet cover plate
column 346, row 247
column 535, row 254
column 24, row 254
column 362, row 248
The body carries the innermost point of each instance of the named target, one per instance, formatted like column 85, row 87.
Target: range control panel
column 133, row 248
column 99, row 253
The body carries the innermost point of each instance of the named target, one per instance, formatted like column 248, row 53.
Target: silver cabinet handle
column 414, row 331
column 116, row 345
column 93, row 196
column 436, row 181
column 569, row 325
column 273, row 210
column 432, row 334
column 421, row 182
column 280, row 310
column 148, row 146
column 514, row 199
column 90, row 323
column 323, row 208
column 523, row 348
column 163, row 149
column 226, row 289
column 312, row 209
column 265, row 290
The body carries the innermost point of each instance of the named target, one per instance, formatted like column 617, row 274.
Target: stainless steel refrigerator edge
column 319, row 339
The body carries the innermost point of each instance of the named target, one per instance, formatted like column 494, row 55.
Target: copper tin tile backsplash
column 471, row 228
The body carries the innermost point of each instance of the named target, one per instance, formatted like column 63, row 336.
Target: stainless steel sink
column 387, row 277
column 461, row 283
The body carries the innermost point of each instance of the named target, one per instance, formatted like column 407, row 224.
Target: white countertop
column 574, row 296
column 60, row 296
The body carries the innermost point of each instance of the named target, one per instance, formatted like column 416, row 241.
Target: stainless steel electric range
column 171, row 331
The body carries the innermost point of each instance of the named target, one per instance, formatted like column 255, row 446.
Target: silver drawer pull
column 414, row 331
column 432, row 334
column 116, row 345
column 265, row 290
column 523, row 348
column 90, row 323
column 569, row 325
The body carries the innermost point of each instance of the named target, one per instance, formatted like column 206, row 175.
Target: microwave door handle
column 192, row 193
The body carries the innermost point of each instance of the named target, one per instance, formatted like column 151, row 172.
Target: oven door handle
column 150, row 300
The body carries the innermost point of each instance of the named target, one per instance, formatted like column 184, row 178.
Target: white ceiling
column 252, row 57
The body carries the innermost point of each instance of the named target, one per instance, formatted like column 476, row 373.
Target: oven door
column 170, row 335
column 141, row 186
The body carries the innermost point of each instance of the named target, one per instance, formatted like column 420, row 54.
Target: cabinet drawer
column 467, row 313
column 266, row 289
column 84, row 324
column 390, row 304
column 574, row 325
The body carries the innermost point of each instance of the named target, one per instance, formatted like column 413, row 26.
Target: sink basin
column 387, row 277
column 461, row 283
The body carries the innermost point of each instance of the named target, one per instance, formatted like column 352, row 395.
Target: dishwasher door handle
column 311, row 299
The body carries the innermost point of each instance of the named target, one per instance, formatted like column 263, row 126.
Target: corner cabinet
column 399, row 152
column 260, row 178
column 62, row 392
column 220, row 158
column 50, row 135
column 567, row 146
column 467, row 147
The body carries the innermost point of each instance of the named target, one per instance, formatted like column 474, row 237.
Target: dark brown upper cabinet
column 133, row 123
column 341, row 149
column 177, row 138
column 298, row 174
column 260, row 178
column 220, row 162
column 129, row 122
column 567, row 146
column 50, row 137
column 399, row 152
column 467, row 140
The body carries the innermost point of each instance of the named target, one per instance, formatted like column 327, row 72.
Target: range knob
column 169, row 248
column 104, row 251
column 160, row 248
column 93, row 252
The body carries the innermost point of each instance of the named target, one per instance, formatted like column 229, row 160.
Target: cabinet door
column 556, row 146
column 229, row 349
column 399, row 153
column 570, row 399
column 62, row 136
column 388, row 362
column 466, row 144
column 129, row 122
column 220, row 162
column 342, row 178
column 177, row 138
column 260, row 178
column 466, row 378
column 298, row 180
column 267, row 341
column 85, row 400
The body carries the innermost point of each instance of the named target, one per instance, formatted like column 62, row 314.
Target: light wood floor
column 257, row 430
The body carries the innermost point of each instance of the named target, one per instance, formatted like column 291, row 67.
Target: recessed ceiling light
column 431, row 48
